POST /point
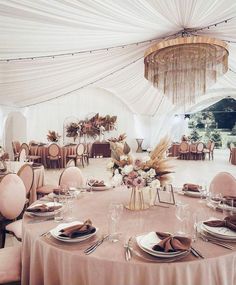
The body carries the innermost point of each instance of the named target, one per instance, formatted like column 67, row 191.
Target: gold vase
column 136, row 201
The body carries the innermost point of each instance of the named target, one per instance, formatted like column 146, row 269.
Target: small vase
column 136, row 202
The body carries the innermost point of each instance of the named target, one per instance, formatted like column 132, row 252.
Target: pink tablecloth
column 233, row 158
column 48, row 261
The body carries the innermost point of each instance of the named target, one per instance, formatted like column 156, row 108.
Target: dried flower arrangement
column 120, row 138
column 52, row 136
column 150, row 171
column 91, row 127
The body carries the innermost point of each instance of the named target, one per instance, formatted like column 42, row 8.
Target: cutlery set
column 94, row 246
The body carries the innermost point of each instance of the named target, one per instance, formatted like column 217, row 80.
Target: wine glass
column 215, row 199
column 115, row 211
column 202, row 188
column 182, row 212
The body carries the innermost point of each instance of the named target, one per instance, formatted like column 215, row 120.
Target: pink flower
column 128, row 182
column 139, row 182
column 133, row 174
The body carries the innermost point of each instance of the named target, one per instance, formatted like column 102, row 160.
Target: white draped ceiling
column 103, row 42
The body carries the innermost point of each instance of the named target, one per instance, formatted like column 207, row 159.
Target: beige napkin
column 191, row 187
column 171, row 243
column 228, row 222
column 78, row 230
column 97, row 183
column 42, row 208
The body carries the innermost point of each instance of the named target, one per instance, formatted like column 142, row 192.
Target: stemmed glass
column 215, row 199
column 89, row 184
column 203, row 190
column 115, row 211
column 182, row 213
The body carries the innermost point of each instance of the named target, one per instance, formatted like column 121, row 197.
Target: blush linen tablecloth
column 48, row 261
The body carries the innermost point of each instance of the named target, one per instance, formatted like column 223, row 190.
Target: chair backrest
column 53, row 150
column 71, row 177
column 22, row 155
column 193, row 147
column 80, row 149
column 34, row 149
column 231, row 145
column 26, row 173
column 223, row 183
column 208, row 146
column 200, row 147
column 70, row 163
column 26, row 147
column 212, row 146
column 12, row 196
column 16, row 147
column 184, row 146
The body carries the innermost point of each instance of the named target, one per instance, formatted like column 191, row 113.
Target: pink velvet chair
column 71, row 177
column 12, row 202
column 10, row 265
column 26, row 173
column 79, row 152
column 223, row 183
column 54, row 155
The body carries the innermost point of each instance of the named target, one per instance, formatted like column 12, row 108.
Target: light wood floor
column 191, row 171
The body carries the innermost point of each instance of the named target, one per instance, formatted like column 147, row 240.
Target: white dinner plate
column 192, row 194
column 43, row 214
column 220, row 232
column 101, row 188
column 146, row 243
column 56, row 233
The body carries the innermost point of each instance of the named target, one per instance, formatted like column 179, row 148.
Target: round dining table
column 46, row 260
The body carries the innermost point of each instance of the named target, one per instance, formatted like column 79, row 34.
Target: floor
column 184, row 171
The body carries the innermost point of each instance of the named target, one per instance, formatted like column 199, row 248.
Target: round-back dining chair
column 54, row 154
column 26, row 173
column 22, row 155
column 10, row 265
column 184, row 150
column 79, row 152
column 12, row 202
column 223, row 183
column 71, row 177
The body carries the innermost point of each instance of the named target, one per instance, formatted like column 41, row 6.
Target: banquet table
column 46, row 260
column 101, row 149
column 174, row 150
column 233, row 158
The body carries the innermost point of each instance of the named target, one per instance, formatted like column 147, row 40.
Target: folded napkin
column 171, row 243
column 97, row 183
column 191, row 187
column 78, row 230
column 230, row 198
column 58, row 191
column 42, row 208
column 228, row 222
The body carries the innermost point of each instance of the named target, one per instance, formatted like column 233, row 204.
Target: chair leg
column 2, row 236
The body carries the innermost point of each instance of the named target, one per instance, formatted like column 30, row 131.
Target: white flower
column 155, row 184
column 151, row 173
column 123, row 157
column 116, row 179
column 110, row 164
column 146, row 158
column 127, row 169
column 143, row 174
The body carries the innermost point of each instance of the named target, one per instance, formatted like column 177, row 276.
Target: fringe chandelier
column 185, row 67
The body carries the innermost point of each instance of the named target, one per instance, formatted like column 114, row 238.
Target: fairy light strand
column 185, row 30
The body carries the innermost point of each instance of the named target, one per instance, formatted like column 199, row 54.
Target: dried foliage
column 52, row 136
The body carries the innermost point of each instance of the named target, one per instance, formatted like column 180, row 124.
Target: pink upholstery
column 71, row 177
column 53, row 150
column 223, row 183
column 12, row 196
column 22, row 155
column 15, row 228
column 26, row 173
column 10, row 264
column 80, row 149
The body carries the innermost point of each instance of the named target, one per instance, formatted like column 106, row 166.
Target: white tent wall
column 51, row 115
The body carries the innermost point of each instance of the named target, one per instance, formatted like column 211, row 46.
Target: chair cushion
column 15, row 228
column 10, row 264
column 53, row 157
column 46, row 189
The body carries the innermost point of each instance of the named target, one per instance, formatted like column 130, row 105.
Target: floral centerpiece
column 120, row 138
column 150, row 171
column 52, row 136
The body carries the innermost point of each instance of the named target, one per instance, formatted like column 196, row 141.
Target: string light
column 87, row 84
column 53, row 56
